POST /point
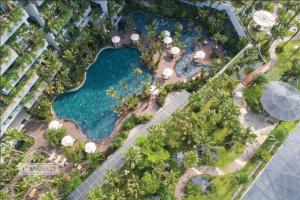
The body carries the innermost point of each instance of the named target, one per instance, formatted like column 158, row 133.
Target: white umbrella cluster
column 54, row 125
column 115, row 39
column 168, row 40
column 264, row 18
column 175, row 50
column 90, row 147
column 135, row 37
column 67, row 141
column 199, row 55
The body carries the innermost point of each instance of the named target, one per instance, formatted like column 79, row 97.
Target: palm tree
column 133, row 187
column 260, row 79
column 137, row 73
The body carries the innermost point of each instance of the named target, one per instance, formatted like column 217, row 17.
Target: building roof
column 281, row 101
column 280, row 180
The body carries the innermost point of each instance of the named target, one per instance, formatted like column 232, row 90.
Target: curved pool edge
column 119, row 119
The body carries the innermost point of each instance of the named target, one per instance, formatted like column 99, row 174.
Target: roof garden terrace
column 59, row 13
column 11, row 22
column 7, row 57
column 29, row 44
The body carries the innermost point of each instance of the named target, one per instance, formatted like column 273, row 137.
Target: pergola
column 265, row 19
column 281, row 101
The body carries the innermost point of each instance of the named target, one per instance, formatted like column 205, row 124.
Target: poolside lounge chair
column 79, row 167
column 52, row 156
column 63, row 162
column 58, row 159
column 32, row 193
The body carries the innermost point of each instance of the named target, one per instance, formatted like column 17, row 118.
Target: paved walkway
column 175, row 101
column 247, row 118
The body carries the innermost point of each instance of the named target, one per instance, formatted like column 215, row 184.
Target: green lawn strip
column 227, row 185
column 284, row 60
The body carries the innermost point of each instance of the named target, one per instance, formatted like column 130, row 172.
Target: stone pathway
column 259, row 126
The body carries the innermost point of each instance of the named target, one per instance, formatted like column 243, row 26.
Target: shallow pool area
column 184, row 67
column 89, row 106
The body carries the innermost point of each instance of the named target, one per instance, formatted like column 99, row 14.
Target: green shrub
column 134, row 120
column 252, row 96
column 54, row 136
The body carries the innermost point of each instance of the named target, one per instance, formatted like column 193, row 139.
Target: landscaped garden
column 210, row 142
column 125, row 81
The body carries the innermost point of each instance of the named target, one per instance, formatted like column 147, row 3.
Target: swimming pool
column 89, row 106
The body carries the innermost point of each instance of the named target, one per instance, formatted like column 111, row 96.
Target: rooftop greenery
column 206, row 131
column 8, row 22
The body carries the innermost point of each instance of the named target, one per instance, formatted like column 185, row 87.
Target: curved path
column 250, row 149
column 175, row 101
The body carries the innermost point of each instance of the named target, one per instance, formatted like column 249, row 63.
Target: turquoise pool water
column 89, row 106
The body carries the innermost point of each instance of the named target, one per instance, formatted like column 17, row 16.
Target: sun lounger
column 51, row 158
column 58, row 159
column 79, row 167
column 63, row 162
column 32, row 193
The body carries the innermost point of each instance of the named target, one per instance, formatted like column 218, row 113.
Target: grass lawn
column 284, row 60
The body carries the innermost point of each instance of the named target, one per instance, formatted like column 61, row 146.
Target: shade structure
column 175, row 50
column 54, row 125
column 168, row 40
column 199, row 55
column 166, row 33
column 67, row 141
column 281, row 101
column 135, row 37
column 264, row 18
column 154, row 90
column 90, row 147
column 168, row 72
column 115, row 39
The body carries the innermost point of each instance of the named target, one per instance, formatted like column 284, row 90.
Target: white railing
column 86, row 13
column 8, row 33
column 36, row 94
column 16, row 101
column 4, row 66
column 21, row 73
column 10, row 119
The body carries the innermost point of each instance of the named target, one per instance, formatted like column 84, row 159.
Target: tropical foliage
column 195, row 127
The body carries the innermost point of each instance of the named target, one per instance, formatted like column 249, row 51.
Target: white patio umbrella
column 168, row 72
column 68, row 140
column 264, row 18
column 175, row 50
column 90, row 147
column 166, row 33
column 154, row 90
column 115, row 39
column 135, row 37
column 54, row 125
column 168, row 40
column 199, row 55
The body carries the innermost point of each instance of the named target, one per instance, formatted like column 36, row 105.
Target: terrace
column 57, row 14
column 9, row 24
column 15, row 97
column 29, row 44
column 7, row 57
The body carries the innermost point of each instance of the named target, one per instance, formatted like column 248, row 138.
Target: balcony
column 21, row 67
column 4, row 126
column 15, row 100
column 7, row 57
column 34, row 94
column 82, row 16
column 11, row 23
